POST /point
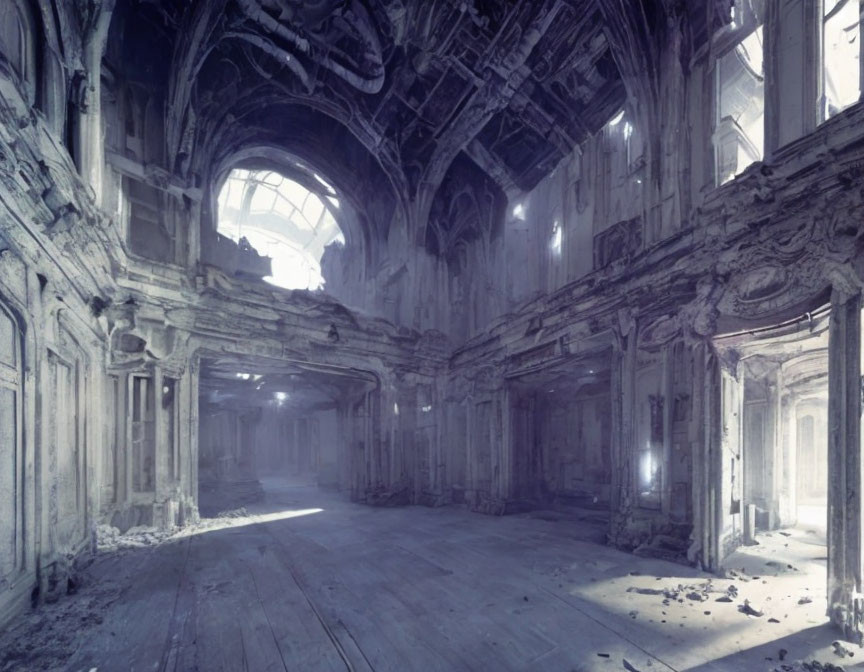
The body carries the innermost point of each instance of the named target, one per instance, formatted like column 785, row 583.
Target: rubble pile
column 108, row 538
column 809, row 666
column 42, row 640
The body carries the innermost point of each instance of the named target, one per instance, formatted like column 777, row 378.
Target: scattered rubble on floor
column 110, row 538
column 695, row 592
column 841, row 650
column 43, row 640
column 809, row 666
column 750, row 609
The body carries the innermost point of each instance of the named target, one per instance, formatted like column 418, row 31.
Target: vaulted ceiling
column 511, row 85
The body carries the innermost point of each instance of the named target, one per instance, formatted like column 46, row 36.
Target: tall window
column 740, row 134
column 10, row 443
column 841, row 66
column 283, row 220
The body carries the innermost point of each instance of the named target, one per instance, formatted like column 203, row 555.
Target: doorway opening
column 266, row 423
column 784, row 381
column 561, row 425
column 775, row 450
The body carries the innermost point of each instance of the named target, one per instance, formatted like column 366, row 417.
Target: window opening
column 283, row 220
column 740, row 134
column 557, row 236
column 841, row 72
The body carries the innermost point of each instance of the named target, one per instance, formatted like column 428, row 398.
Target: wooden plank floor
column 352, row 587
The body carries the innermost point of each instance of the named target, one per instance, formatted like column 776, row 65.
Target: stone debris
column 647, row 591
column 809, row 666
column 695, row 592
column 750, row 610
column 110, row 538
column 841, row 650
column 43, row 639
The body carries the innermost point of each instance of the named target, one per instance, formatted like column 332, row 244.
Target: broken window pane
column 841, row 69
column 739, row 138
column 283, row 220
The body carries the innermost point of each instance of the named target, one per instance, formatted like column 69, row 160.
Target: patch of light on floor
column 813, row 519
column 226, row 523
column 702, row 619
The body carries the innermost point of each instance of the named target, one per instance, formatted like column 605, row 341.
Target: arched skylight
column 283, row 220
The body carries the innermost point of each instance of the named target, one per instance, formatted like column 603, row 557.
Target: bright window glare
column 842, row 55
column 556, row 238
column 646, row 468
column 283, row 220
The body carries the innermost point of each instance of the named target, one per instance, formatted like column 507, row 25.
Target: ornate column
column 784, row 509
column 623, row 395
column 707, row 520
column 845, row 603
column 730, row 460
column 189, row 448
